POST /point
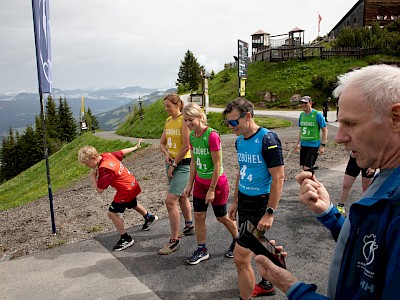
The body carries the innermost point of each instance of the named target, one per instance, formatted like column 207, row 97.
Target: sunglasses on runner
column 234, row 123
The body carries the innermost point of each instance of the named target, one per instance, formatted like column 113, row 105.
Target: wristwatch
column 270, row 210
column 174, row 164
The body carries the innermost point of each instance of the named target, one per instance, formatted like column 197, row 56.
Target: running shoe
column 123, row 244
column 197, row 257
column 341, row 209
column 147, row 223
column 187, row 230
column 265, row 289
column 229, row 253
column 170, row 248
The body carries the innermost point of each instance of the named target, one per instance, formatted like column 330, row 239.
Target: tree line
column 21, row 151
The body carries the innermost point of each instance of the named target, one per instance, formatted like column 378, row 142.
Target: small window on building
column 379, row 17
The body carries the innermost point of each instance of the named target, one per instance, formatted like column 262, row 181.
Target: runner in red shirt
column 108, row 170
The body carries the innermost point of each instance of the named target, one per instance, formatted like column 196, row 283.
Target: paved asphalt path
column 90, row 270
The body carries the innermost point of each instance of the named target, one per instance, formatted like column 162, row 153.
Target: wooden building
column 366, row 12
column 259, row 41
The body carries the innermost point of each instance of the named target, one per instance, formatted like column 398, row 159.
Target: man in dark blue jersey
column 258, row 186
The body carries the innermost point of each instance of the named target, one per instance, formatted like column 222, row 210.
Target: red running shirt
column 113, row 173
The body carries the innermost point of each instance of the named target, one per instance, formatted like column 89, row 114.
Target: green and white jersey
column 201, row 148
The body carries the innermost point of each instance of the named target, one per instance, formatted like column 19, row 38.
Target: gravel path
column 80, row 213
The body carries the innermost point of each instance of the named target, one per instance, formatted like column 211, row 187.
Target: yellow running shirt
column 173, row 135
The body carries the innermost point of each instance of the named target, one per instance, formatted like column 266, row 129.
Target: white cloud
column 118, row 43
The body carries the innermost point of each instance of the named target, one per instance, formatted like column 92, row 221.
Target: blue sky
column 119, row 43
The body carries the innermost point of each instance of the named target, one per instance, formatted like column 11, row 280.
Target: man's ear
column 396, row 117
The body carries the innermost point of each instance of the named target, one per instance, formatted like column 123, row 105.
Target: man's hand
column 313, row 193
column 232, row 211
column 321, row 150
column 278, row 276
column 265, row 222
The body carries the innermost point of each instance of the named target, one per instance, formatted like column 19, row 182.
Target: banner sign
column 41, row 25
column 243, row 59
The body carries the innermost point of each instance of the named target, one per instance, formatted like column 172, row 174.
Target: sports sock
column 125, row 236
column 188, row 223
column 201, row 247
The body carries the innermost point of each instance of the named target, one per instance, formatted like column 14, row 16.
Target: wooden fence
column 305, row 52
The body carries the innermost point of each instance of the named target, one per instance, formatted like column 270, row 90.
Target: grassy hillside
column 283, row 79
column 153, row 121
column 64, row 171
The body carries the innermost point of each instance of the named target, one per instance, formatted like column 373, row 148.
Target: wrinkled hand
column 278, row 276
column 313, row 193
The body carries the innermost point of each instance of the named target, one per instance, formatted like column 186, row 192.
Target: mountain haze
column 111, row 119
column 18, row 111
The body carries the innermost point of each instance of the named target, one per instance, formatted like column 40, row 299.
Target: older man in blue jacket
column 366, row 260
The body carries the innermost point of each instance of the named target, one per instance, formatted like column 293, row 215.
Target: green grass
column 283, row 79
column 152, row 124
column 64, row 171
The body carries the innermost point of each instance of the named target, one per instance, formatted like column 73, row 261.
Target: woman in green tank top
column 207, row 180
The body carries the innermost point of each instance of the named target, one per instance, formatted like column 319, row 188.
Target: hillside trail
column 80, row 212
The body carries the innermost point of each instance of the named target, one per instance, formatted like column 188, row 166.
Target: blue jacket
column 370, row 266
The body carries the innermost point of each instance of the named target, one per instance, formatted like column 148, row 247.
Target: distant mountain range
column 110, row 120
column 109, row 105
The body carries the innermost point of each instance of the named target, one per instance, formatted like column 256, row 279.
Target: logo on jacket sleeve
column 369, row 248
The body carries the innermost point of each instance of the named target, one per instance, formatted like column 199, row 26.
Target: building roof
column 296, row 29
column 260, row 32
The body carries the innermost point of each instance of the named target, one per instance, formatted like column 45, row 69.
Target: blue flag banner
column 41, row 24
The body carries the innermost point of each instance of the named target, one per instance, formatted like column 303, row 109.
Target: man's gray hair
column 378, row 84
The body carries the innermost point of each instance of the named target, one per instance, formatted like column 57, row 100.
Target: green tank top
column 202, row 154
column 309, row 126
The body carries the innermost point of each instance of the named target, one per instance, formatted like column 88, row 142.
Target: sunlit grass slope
column 64, row 171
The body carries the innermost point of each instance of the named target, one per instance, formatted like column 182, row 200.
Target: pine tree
column 212, row 75
column 66, row 122
column 189, row 72
column 51, row 121
column 9, row 160
column 91, row 120
column 31, row 148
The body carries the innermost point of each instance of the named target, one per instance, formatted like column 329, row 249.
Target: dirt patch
column 80, row 212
